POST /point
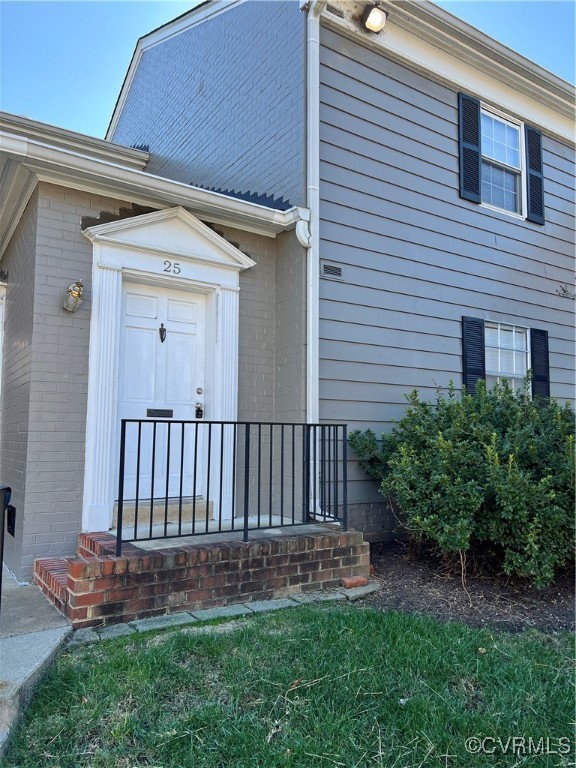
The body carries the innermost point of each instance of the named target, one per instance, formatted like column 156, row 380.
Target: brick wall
column 376, row 520
column 46, row 364
column 227, row 114
column 98, row 588
column 19, row 263
column 272, row 332
column 290, row 346
column 45, row 373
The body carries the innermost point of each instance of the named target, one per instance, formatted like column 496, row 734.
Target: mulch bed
column 424, row 585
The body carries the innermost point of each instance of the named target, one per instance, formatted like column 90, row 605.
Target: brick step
column 51, row 575
column 96, row 587
column 96, row 544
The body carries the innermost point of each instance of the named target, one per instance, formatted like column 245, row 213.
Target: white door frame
column 169, row 248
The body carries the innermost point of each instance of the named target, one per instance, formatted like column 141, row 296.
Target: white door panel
column 139, row 383
column 161, row 376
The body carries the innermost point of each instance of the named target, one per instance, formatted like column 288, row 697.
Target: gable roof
column 420, row 19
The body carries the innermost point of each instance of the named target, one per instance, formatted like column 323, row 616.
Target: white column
column 227, row 351
column 101, row 421
column 226, row 383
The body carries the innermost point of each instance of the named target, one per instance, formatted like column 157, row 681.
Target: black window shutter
column 473, row 352
column 535, row 179
column 470, row 154
column 540, row 363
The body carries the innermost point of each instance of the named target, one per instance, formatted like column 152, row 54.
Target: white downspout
column 313, row 202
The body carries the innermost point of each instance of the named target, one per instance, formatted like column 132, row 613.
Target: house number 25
column 172, row 266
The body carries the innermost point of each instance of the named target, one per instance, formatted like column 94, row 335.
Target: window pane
column 491, row 335
column 509, row 201
column 500, row 141
column 520, row 339
column 487, row 147
column 513, row 157
column 512, row 137
column 520, row 363
column 500, row 187
column 506, row 337
column 499, row 132
column 506, row 350
column 506, row 362
column 492, row 360
column 487, row 127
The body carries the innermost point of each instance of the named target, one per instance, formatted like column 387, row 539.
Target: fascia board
column 56, row 165
column 72, row 141
column 17, row 185
column 481, row 66
column 437, row 26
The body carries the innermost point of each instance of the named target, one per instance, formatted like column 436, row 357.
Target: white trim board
column 313, row 203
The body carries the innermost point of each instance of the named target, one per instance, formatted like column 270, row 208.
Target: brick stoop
column 96, row 587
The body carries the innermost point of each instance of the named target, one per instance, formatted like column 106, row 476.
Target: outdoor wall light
column 74, row 296
column 373, row 18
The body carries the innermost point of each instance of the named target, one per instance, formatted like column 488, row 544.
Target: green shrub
column 493, row 470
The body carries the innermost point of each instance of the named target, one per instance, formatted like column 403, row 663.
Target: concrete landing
column 25, row 609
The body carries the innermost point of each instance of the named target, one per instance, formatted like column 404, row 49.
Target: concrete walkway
column 32, row 632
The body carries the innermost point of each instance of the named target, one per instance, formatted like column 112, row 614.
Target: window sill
column 517, row 216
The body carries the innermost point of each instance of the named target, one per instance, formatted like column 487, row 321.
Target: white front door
column 162, row 368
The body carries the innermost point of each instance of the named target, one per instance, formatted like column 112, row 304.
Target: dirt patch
column 424, row 586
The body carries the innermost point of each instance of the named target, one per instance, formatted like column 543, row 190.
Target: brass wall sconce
column 74, row 296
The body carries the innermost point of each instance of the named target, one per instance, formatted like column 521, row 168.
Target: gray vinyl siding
column 230, row 108
column 415, row 257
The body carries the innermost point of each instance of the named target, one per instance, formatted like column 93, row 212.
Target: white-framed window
column 502, row 183
column 507, row 351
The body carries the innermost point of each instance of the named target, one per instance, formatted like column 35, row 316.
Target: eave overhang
column 25, row 161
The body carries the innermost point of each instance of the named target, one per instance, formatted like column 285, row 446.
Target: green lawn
column 312, row 686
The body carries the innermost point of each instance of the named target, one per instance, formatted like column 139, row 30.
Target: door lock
column 199, row 410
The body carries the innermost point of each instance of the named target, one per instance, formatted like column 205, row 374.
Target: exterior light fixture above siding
column 373, row 18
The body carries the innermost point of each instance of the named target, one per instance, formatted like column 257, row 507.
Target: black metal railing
column 188, row 478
